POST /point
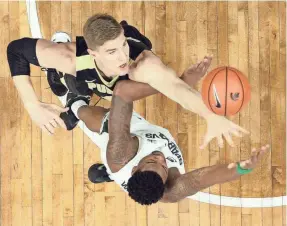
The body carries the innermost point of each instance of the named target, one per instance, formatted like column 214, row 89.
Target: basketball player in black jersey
column 95, row 64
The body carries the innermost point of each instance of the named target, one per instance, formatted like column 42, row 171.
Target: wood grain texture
column 44, row 178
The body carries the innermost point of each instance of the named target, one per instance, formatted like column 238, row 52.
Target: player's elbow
column 18, row 56
column 65, row 53
column 119, row 91
column 71, row 52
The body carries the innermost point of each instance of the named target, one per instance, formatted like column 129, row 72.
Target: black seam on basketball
column 226, row 71
column 242, row 93
column 209, row 91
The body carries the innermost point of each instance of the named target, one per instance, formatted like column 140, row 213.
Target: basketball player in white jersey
column 143, row 158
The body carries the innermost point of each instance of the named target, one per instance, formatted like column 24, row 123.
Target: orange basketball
column 225, row 91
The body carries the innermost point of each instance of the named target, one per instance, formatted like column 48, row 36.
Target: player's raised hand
column 256, row 154
column 46, row 116
column 219, row 126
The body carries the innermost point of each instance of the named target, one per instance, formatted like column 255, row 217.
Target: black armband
column 20, row 54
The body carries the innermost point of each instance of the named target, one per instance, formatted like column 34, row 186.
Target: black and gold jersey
column 89, row 76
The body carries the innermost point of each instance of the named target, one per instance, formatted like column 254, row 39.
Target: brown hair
column 100, row 28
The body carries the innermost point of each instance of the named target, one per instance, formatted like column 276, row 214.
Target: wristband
column 242, row 171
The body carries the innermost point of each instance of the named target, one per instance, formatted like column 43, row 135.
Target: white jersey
column 151, row 138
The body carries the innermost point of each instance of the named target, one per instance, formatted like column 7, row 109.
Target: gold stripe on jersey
column 84, row 62
column 108, row 84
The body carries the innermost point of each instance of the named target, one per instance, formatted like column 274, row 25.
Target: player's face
column 113, row 56
column 154, row 162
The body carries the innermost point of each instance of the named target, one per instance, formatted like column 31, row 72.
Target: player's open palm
column 46, row 116
column 219, row 126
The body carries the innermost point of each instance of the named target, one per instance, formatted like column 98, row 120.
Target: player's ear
column 91, row 52
column 135, row 168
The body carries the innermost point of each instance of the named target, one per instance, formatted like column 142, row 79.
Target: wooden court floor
column 44, row 178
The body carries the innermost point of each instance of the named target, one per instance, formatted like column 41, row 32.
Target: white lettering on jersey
column 100, row 87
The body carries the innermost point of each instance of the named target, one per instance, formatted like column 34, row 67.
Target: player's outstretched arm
column 190, row 183
column 23, row 52
column 40, row 52
column 149, row 69
column 121, row 144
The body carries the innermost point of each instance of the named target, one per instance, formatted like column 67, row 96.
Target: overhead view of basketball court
column 143, row 113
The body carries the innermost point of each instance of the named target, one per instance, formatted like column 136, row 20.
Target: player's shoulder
column 81, row 46
column 136, row 48
column 136, row 40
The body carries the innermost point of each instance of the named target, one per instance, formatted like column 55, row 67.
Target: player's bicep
column 116, row 152
column 61, row 56
column 149, row 68
column 120, row 150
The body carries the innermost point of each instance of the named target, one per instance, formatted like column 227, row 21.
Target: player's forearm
column 173, row 87
column 120, row 115
column 133, row 91
column 120, row 139
column 208, row 176
column 138, row 90
column 24, row 86
column 190, row 183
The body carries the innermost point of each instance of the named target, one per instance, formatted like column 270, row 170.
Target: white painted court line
column 200, row 196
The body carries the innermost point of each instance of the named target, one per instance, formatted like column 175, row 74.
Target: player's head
column 107, row 44
column 146, row 186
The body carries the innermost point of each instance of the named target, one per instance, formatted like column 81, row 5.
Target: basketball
column 225, row 91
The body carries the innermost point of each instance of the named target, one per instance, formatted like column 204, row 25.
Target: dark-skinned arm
column 138, row 90
column 121, row 144
column 135, row 90
column 190, row 183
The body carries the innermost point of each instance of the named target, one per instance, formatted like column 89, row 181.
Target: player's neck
column 105, row 73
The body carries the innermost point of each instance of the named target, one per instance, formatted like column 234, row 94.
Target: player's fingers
column 236, row 133
column 253, row 150
column 57, row 109
column 60, row 122
column 241, row 129
column 254, row 153
column 207, row 139
column 207, row 63
column 193, row 67
column 54, row 123
column 228, row 139
column 45, row 130
column 220, row 141
column 50, row 128
column 263, row 150
column 65, row 109
column 201, row 65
